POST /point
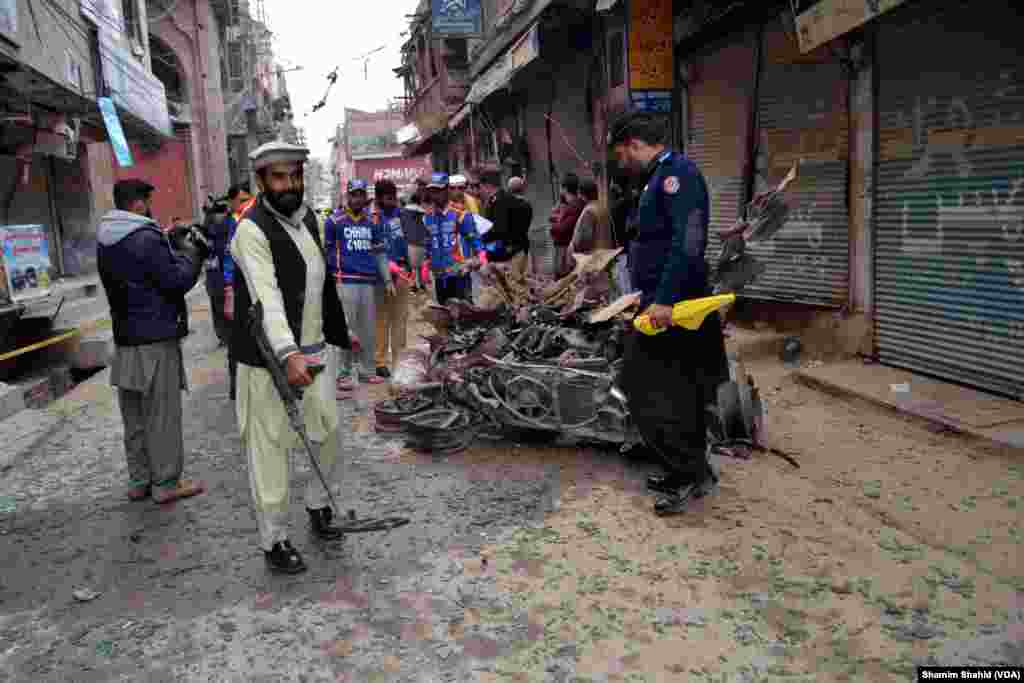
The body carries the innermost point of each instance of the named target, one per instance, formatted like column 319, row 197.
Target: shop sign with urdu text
column 456, row 18
column 650, row 45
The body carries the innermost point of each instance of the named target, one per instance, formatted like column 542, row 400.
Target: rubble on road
column 544, row 360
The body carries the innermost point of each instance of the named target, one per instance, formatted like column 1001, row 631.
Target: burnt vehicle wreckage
column 543, row 365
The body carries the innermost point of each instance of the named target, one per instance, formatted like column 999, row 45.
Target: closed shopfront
column 803, row 114
column 719, row 94
column 949, row 206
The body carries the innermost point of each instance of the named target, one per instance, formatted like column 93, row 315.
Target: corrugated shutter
column 802, row 113
column 718, row 129
column 950, row 196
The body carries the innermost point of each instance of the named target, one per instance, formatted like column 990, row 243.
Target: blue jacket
column 353, row 243
column 667, row 254
column 394, row 235
column 227, row 263
column 453, row 239
column 144, row 278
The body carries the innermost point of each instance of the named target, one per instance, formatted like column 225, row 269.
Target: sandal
column 184, row 488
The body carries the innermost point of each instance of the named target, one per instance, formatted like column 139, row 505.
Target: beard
column 285, row 203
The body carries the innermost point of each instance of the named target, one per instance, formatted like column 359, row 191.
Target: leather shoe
column 675, row 502
column 320, row 520
column 667, row 483
column 283, row 558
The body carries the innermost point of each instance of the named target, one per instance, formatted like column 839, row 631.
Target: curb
column 946, row 424
column 39, row 392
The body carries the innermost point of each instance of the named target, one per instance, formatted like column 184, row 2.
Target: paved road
column 184, row 591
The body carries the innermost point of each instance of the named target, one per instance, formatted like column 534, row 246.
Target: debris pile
column 544, row 362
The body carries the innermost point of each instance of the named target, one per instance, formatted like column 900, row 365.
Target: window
column 616, row 60
column 235, row 69
column 457, row 51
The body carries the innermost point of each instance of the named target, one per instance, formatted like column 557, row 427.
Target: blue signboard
column 456, row 17
column 655, row 101
column 117, row 139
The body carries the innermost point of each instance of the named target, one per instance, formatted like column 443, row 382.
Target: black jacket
column 144, row 278
column 512, row 216
column 290, row 268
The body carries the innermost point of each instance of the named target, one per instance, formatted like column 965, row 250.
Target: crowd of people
column 336, row 293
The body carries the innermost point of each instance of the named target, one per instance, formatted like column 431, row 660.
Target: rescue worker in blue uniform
column 671, row 377
column 453, row 243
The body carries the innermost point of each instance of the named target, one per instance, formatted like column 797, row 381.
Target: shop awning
column 460, row 115
column 407, row 134
column 522, row 52
column 496, row 77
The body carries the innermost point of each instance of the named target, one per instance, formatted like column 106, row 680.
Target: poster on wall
column 456, row 18
column 9, row 20
column 26, row 268
column 650, row 45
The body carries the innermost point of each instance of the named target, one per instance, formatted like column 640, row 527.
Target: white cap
column 457, row 180
column 276, row 152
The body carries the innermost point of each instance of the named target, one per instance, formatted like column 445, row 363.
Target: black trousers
column 221, row 325
column 452, row 287
column 669, row 379
column 215, row 290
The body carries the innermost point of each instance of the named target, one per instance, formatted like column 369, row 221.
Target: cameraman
column 146, row 275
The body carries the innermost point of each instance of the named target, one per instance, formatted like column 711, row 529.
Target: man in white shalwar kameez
column 281, row 263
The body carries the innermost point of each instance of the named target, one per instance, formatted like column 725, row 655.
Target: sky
column 325, row 34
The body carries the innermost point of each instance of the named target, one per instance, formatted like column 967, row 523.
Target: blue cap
column 438, row 180
column 357, row 185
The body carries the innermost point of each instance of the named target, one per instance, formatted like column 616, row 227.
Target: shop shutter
column 949, row 206
column 717, row 133
column 802, row 114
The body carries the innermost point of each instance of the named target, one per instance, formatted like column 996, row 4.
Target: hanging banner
column 117, row 139
column 26, row 268
column 650, row 45
column 456, row 18
column 830, row 19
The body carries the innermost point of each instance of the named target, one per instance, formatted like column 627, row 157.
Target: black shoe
column 676, row 502
column 283, row 558
column 322, row 527
column 383, row 372
column 668, row 483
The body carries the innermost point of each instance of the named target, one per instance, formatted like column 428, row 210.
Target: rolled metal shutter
column 949, row 207
column 719, row 127
column 802, row 114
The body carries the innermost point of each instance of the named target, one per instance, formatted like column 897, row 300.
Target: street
column 890, row 545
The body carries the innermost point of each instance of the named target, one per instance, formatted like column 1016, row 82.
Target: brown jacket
column 593, row 230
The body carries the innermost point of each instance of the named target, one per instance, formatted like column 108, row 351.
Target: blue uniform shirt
column 352, row 243
column 453, row 239
column 397, row 246
column 667, row 254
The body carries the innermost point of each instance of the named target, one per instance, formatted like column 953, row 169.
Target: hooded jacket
column 144, row 278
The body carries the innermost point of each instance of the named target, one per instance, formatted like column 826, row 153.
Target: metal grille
column 949, row 208
column 717, row 134
column 802, row 114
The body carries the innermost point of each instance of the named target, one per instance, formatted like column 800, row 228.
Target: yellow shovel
column 688, row 314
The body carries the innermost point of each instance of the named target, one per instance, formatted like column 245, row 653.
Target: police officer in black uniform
column 670, row 378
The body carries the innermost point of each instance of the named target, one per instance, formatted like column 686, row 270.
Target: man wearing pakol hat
column 454, row 244
column 281, row 263
column 358, row 264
